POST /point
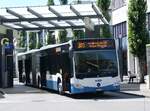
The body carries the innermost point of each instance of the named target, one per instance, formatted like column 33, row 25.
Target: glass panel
column 12, row 25
column 85, row 9
column 44, row 23
column 96, row 64
column 29, row 24
column 64, row 10
column 44, row 11
column 61, row 23
column 77, row 22
column 7, row 15
column 23, row 12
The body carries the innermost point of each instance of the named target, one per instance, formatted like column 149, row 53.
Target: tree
column 50, row 38
column 78, row 1
column 62, row 35
column 22, row 39
column 63, row 2
column 78, row 34
column 137, row 32
column 32, row 40
column 104, row 7
column 50, row 2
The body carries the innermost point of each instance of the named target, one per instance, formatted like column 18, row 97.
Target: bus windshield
column 96, row 64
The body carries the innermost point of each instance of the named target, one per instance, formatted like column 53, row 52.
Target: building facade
column 120, row 32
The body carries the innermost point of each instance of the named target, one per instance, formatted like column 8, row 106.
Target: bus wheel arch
column 59, row 86
column 24, row 78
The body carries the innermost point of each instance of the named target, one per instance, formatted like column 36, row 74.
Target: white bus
column 77, row 66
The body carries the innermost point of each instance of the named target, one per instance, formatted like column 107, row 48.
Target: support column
column 43, row 37
column 27, row 40
column 37, row 39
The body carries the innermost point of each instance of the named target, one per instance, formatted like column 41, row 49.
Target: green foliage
column 78, row 1
column 22, row 39
column 63, row 2
column 39, row 43
column 50, row 38
column 50, row 2
column 78, row 34
column 32, row 40
column 104, row 7
column 62, row 36
column 137, row 33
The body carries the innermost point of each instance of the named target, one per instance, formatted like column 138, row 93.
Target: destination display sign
column 94, row 44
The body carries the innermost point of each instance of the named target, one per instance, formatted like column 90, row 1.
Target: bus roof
column 57, row 45
column 43, row 48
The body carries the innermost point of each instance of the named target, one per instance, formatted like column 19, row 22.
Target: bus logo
column 98, row 84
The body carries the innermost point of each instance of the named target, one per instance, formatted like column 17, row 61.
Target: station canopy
column 51, row 17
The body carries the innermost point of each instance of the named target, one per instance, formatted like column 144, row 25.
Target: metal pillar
column 4, row 69
column 43, row 37
column 27, row 40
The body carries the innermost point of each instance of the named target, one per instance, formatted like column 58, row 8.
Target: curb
column 134, row 94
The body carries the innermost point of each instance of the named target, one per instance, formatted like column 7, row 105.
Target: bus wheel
column 59, row 87
column 39, row 82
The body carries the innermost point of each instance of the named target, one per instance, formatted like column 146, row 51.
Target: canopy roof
column 50, row 17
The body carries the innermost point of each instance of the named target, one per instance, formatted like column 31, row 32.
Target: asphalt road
column 32, row 99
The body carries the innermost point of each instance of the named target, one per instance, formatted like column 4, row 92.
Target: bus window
column 28, row 66
column 96, row 64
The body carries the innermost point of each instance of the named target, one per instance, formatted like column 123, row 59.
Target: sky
column 16, row 3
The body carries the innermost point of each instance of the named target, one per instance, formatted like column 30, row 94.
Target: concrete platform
column 20, row 88
column 132, row 88
column 135, row 88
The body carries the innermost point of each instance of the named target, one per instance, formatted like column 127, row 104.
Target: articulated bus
column 77, row 66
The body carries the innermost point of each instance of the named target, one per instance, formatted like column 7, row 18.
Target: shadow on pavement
column 1, row 94
column 104, row 96
column 130, row 87
column 21, row 89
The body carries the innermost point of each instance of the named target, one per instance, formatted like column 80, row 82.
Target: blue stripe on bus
column 75, row 90
column 51, row 84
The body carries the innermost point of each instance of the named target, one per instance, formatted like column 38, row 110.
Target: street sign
column 9, row 46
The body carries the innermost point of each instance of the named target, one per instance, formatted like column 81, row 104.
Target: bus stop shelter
column 51, row 17
column 33, row 18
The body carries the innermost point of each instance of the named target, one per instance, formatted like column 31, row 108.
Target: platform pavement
column 19, row 88
column 133, row 88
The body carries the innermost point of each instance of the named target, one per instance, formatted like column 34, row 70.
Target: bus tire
column 59, row 87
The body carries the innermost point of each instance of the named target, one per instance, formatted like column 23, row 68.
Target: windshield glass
column 96, row 64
